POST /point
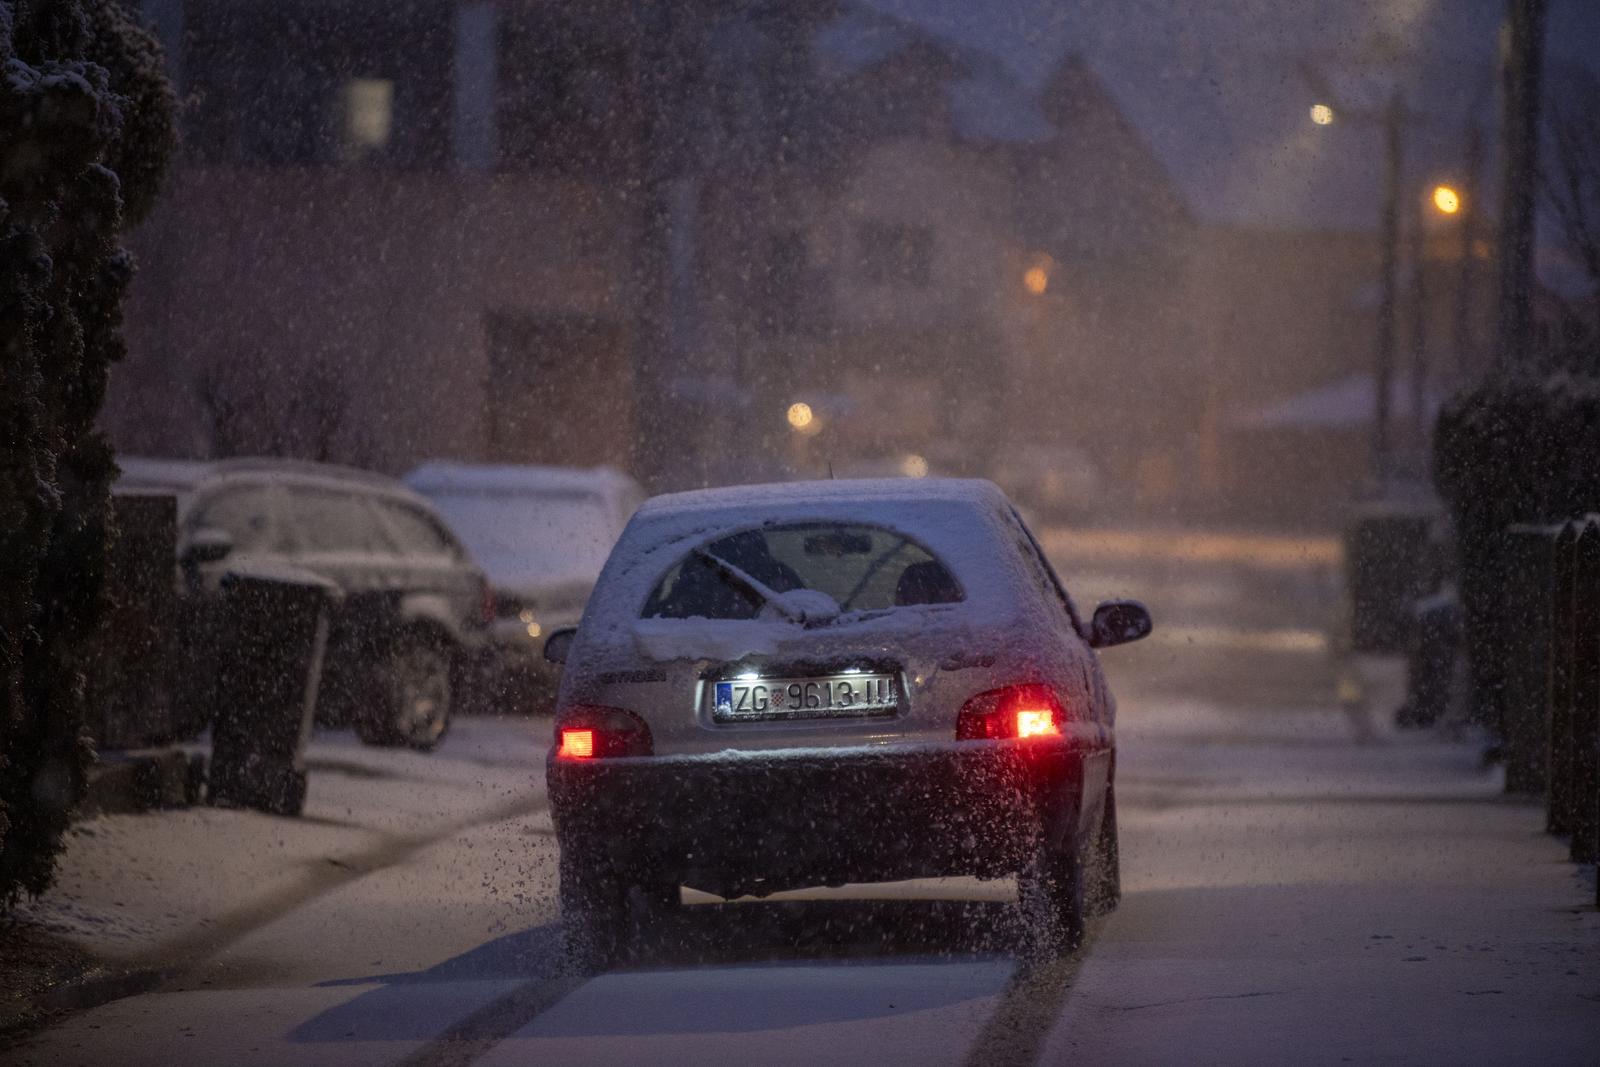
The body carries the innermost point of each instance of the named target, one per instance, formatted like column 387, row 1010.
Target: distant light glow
column 1322, row 114
column 914, row 466
column 534, row 629
column 1446, row 199
column 1036, row 723
column 526, row 615
column 800, row 415
column 1036, row 280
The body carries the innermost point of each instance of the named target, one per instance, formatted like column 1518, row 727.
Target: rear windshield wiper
column 805, row 609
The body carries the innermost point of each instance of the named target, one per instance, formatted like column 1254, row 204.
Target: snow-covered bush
column 1516, row 449
column 86, row 121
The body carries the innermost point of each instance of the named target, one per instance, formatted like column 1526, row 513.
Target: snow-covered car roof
column 173, row 475
column 185, row 477
column 876, row 493
column 435, row 476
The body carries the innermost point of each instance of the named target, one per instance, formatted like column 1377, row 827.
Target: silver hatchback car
column 830, row 682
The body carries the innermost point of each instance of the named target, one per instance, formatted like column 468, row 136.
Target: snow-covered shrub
column 1516, row 449
column 85, row 131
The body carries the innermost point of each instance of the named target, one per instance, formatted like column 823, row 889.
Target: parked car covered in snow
column 831, row 682
column 541, row 534
column 415, row 607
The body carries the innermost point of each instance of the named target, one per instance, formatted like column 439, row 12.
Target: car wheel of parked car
column 594, row 911
column 1052, row 892
column 416, row 711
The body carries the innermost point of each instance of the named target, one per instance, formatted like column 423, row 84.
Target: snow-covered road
column 1300, row 882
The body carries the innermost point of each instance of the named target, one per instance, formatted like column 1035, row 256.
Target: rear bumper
column 757, row 823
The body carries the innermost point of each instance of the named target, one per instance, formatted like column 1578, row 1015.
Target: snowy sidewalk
column 157, row 892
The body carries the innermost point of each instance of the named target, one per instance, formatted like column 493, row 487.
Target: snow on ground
column 135, row 887
column 1302, row 883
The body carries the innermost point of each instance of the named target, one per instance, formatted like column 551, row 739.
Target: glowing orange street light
column 1446, row 200
column 1036, row 280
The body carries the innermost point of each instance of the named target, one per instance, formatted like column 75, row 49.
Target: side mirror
column 207, row 545
column 559, row 643
column 1116, row 622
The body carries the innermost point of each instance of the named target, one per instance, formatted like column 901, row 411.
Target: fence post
column 1586, row 698
column 1528, row 598
column 1558, row 795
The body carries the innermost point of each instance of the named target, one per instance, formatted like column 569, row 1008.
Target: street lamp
column 1446, row 200
column 1322, row 114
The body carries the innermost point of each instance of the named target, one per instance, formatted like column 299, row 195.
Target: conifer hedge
column 86, row 129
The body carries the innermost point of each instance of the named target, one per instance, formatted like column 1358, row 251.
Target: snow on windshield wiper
column 808, row 607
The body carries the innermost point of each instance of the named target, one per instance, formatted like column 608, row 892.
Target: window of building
column 299, row 83
column 368, row 116
column 786, row 284
column 561, row 97
column 896, row 253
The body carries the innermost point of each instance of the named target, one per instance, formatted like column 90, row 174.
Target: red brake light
column 1015, row 711
column 576, row 744
column 1037, row 723
column 592, row 731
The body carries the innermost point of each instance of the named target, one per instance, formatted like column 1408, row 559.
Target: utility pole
column 1392, row 120
column 664, row 196
column 1522, row 74
column 1419, row 328
column 1461, row 326
column 1389, row 255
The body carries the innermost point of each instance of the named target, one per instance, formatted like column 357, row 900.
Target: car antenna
column 830, row 470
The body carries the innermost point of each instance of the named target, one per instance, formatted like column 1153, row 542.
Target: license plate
column 832, row 696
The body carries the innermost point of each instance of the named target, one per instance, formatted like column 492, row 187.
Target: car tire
column 1106, row 886
column 418, row 687
column 594, row 912
column 1053, row 895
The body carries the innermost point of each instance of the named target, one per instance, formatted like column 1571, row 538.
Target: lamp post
column 1524, row 51
column 1391, row 119
column 1443, row 200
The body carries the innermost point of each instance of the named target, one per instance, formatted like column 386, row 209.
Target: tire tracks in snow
column 166, row 964
column 1029, row 1008
column 469, row 1039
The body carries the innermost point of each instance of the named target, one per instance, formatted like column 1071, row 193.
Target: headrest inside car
column 928, row 582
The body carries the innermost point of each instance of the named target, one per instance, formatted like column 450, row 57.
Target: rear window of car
column 863, row 568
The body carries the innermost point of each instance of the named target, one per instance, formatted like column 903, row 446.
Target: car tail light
column 576, row 743
column 1015, row 711
column 592, row 731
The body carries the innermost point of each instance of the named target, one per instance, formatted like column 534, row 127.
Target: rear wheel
column 1105, row 888
column 1052, row 892
column 594, row 912
column 416, row 707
